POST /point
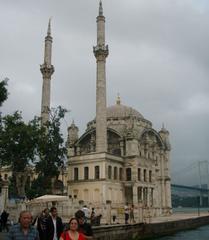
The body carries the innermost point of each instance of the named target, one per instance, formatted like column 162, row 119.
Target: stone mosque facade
column 119, row 158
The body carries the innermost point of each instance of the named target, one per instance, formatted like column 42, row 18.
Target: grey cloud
column 158, row 62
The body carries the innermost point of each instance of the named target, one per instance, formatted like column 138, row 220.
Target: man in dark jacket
column 41, row 224
column 4, row 217
column 54, row 226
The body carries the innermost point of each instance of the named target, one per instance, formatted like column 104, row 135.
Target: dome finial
column 118, row 101
column 100, row 8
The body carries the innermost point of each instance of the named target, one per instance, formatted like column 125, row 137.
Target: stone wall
column 145, row 231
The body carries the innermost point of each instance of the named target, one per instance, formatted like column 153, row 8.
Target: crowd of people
column 49, row 226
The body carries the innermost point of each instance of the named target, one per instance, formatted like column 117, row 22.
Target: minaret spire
column 49, row 28
column 101, row 53
column 100, row 8
column 47, row 69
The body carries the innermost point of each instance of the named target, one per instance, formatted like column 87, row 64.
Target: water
column 190, row 210
column 201, row 233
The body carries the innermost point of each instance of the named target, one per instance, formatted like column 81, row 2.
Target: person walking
column 93, row 216
column 86, row 212
column 126, row 211
column 4, row 218
column 54, row 226
column 132, row 214
column 41, row 224
column 83, row 226
column 72, row 233
column 24, row 229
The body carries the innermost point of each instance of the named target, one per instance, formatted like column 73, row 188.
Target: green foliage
column 51, row 152
column 39, row 187
column 51, row 148
column 12, row 187
column 23, row 144
column 3, row 91
column 18, row 142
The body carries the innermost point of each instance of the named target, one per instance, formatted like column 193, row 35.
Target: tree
column 3, row 91
column 51, row 152
column 18, row 147
column 23, row 145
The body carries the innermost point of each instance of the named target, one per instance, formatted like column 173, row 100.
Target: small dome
column 122, row 111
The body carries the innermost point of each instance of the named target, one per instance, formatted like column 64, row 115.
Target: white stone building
column 120, row 158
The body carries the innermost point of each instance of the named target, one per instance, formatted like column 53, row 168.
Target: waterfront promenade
column 177, row 216
column 174, row 217
column 152, row 227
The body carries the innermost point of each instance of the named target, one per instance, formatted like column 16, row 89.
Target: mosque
column 119, row 158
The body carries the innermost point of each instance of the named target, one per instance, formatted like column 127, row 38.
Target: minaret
column 47, row 70
column 101, row 52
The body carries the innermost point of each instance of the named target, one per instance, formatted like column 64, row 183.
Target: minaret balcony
column 47, row 70
column 101, row 50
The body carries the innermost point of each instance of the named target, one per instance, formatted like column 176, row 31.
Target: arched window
column 86, row 173
column 86, row 194
column 121, row 174
column 96, row 195
column 75, row 173
column 115, row 173
column 145, row 175
column 96, row 172
column 110, row 172
column 128, row 174
column 139, row 174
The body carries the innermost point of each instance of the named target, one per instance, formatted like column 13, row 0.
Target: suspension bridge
column 190, row 185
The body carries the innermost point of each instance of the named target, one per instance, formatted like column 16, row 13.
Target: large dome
column 121, row 111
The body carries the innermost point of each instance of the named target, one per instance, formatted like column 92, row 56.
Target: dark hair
column 52, row 209
column 22, row 213
column 79, row 214
column 73, row 218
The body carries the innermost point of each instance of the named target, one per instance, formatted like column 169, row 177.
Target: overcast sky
column 158, row 62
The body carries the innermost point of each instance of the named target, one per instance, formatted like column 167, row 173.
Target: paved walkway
column 178, row 216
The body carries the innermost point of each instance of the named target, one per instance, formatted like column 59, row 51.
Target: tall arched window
column 139, row 174
column 96, row 172
column 150, row 176
column 128, row 174
column 120, row 174
column 115, row 173
column 145, row 175
column 110, row 172
column 86, row 173
column 75, row 173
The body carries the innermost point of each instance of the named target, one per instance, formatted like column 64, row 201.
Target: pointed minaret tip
column 49, row 27
column 100, row 8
